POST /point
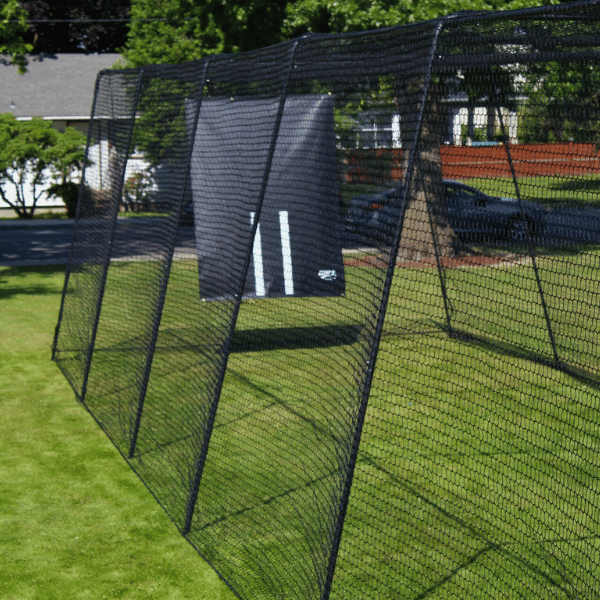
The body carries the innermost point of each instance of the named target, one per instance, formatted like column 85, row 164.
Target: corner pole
column 360, row 418
column 193, row 497
column 113, row 226
column 77, row 215
column 530, row 245
column 165, row 277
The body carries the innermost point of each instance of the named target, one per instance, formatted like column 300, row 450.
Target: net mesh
column 348, row 337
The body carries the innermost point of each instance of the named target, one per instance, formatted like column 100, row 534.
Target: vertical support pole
column 165, row 278
column 76, row 226
column 193, row 497
column 360, row 418
column 113, row 226
column 530, row 246
column 440, row 268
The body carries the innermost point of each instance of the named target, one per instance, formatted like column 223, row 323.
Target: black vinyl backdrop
column 350, row 340
column 225, row 159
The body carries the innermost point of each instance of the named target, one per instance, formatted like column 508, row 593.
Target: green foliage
column 174, row 40
column 32, row 154
column 367, row 102
column 346, row 130
column 563, row 103
column 68, row 192
column 333, row 16
column 13, row 26
column 478, row 133
column 135, row 191
column 160, row 132
column 76, row 26
column 161, row 125
column 192, row 30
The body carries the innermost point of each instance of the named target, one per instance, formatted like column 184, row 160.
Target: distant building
column 57, row 87
column 467, row 123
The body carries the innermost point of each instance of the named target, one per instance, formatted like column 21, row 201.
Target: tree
column 562, row 103
column 90, row 29
column 183, row 30
column 340, row 16
column 176, row 31
column 217, row 27
column 13, row 26
column 426, row 212
column 33, row 154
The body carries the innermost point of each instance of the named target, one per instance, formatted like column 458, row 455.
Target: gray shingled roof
column 60, row 86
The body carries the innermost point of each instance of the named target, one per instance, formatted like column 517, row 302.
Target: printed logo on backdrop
column 327, row 275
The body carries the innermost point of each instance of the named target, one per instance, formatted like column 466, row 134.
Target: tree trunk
column 427, row 228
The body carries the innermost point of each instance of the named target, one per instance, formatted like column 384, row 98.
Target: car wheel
column 519, row 230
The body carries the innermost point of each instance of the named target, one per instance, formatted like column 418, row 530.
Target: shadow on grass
column 542, row 250
column 30, row 280
column 519, row 351
column 254, row 340
column 577, row 185
column 476, row 532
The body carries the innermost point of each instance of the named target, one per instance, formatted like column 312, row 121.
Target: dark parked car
column 471, row 212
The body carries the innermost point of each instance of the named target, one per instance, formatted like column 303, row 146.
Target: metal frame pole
column 360, row 418
column 113, row 227
column 165, row 279
column 530, row 245
column 191, row 504
column 77, row 216
column 436, row 249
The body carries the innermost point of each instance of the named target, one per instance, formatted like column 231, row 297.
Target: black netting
column 426, row 197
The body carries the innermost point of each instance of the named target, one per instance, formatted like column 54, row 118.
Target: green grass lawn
column 477, row 468
column 76, row 522
column 477, row 473
column 40, row 214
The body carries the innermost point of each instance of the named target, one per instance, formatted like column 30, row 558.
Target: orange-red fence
column 464, row 162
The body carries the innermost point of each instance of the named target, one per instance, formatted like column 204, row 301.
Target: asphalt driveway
column 45, row 242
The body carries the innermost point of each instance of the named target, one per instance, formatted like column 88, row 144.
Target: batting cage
column 348, row 338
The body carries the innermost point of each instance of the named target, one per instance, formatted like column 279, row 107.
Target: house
column 56, row 87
